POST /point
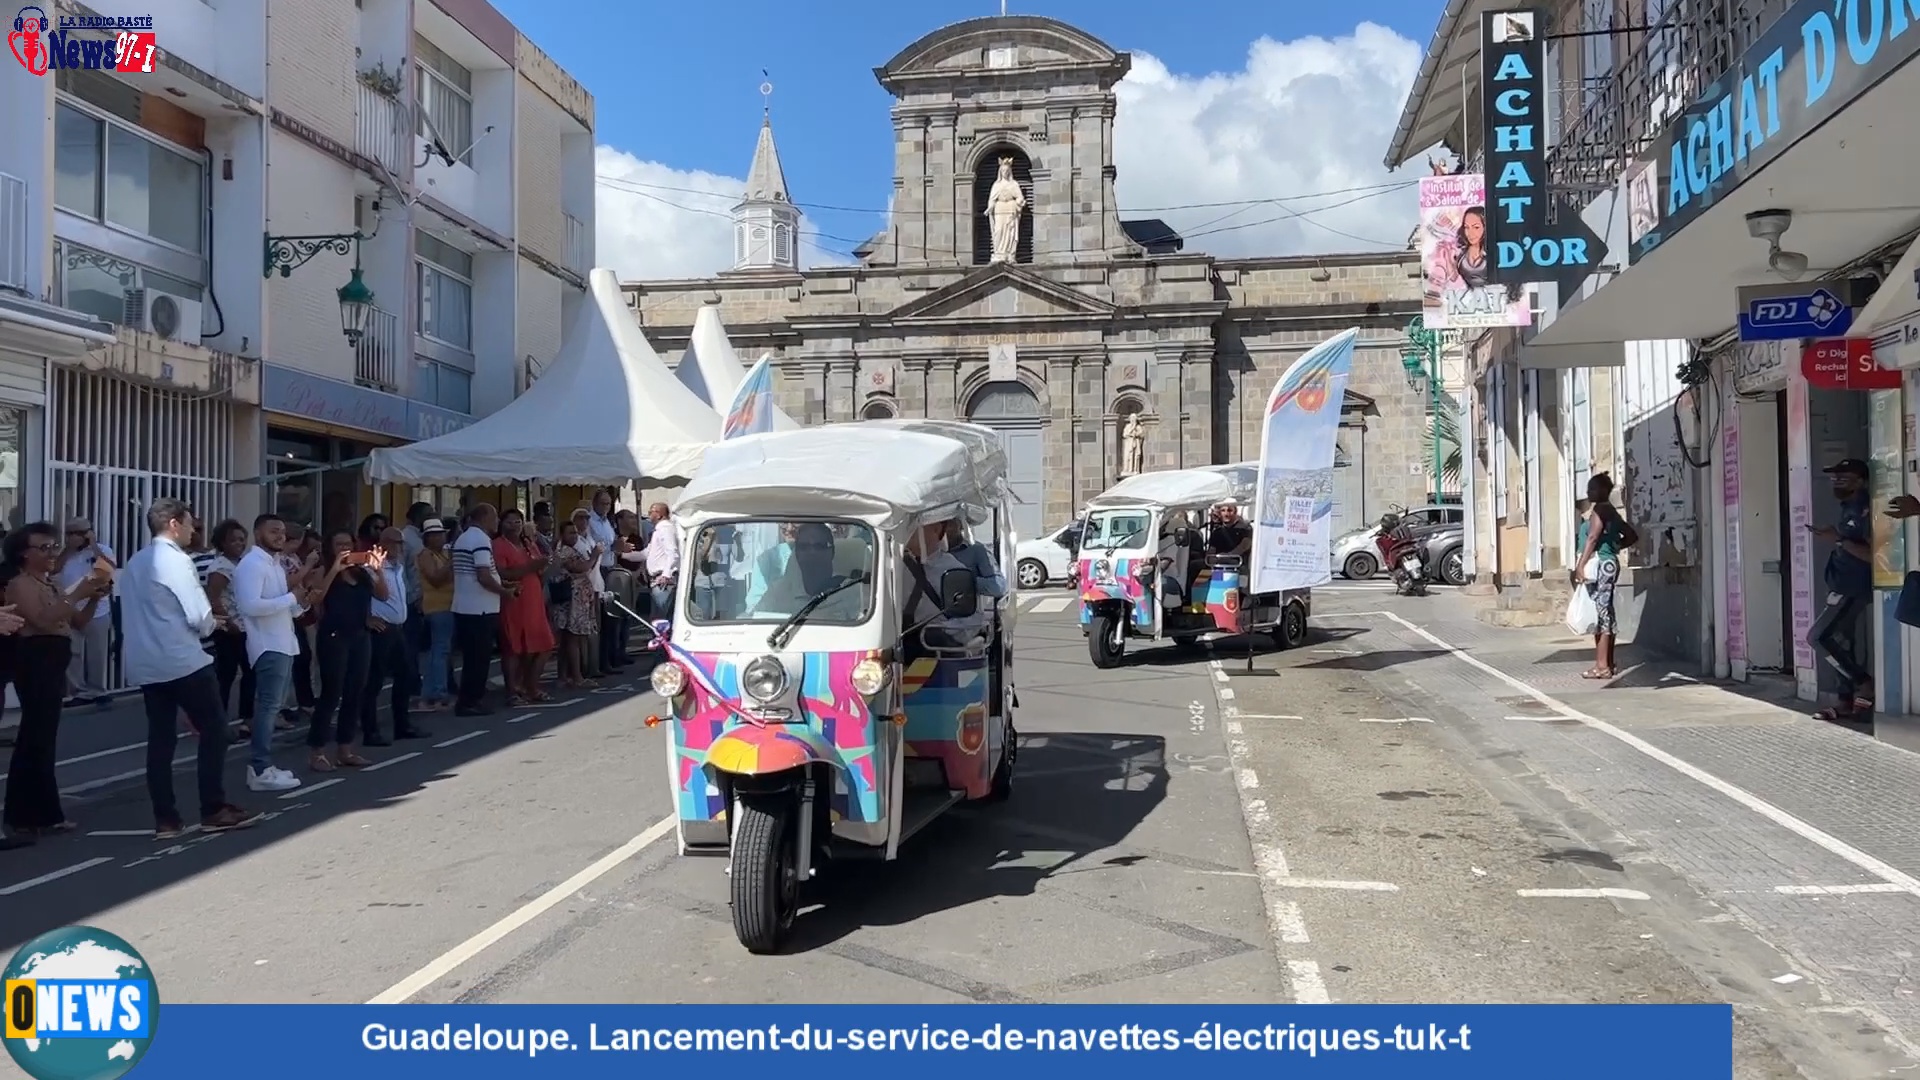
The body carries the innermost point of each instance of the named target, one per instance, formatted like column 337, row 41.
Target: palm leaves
column 1446, row 425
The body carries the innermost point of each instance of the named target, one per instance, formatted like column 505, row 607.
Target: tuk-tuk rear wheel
column 764, row 882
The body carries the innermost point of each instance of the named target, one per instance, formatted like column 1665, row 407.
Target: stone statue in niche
column 1133, row 445
column 1004, row 203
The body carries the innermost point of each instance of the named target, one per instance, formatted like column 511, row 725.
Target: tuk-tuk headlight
column 868, row 677
column 669, row 679
column 765, row 679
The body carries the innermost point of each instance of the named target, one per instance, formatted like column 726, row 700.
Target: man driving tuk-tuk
column 857, row 687
column 1147, row 573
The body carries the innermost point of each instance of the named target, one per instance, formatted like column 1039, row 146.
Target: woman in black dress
column 345, row 652
column 40, row 656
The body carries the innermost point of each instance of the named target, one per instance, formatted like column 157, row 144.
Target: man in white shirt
column 163, row 615
column 417, row 514
column 87, row 671
column 269, row 599
column 663, row 560
column 600, row 527
column 928, row 559
column 393, row 655
column 477, row 590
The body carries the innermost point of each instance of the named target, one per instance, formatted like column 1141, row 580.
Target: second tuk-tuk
column 1146, row 571
column 849, row 683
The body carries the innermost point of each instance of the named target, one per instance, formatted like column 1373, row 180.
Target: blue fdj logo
column 80, row 1004
column 1818, row 309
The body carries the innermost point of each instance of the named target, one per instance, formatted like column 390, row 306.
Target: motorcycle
column 1404, row 556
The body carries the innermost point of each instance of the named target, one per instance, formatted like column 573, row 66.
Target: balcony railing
column 1613, row 117
column 579, row 246
column 13, row 232
column 378, row 133
column 376, row 359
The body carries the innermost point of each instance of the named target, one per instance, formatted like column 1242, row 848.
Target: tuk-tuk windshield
column 1109, row 529
column 766, row 571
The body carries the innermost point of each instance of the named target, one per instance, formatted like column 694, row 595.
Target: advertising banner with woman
column 1455, row 259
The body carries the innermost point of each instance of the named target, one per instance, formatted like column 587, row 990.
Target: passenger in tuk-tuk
column 925, row 563
column 1174, row 563
column 1230, row 534
column 976, row 557
column 810, row 573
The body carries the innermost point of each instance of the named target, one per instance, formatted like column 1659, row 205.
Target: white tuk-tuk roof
column 885, row 471
column 1202, row 486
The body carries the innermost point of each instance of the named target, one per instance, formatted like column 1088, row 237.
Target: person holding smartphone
column 1840, row 626
column 84, row 557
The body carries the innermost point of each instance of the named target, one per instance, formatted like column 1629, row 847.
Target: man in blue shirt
column 1840, row 627
column 164, row 613
column 392, row 654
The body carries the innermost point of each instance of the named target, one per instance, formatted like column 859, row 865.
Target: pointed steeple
column 766, row 182
column 766, row 224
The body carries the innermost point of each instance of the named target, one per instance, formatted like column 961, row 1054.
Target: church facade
column 1079, row 322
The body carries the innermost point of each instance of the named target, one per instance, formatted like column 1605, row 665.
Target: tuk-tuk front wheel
column 1291, row 632
column 1106, row 642
column 764, row 876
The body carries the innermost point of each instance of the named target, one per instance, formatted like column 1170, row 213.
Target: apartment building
column 1714, row 414
column 295, row 239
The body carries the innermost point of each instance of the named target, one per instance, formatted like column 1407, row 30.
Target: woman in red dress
column 526, row 637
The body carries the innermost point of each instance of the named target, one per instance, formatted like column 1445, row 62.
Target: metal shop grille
column 114, row 446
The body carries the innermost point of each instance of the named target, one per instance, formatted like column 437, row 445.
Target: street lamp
column 1420, row 356
column 288, row 253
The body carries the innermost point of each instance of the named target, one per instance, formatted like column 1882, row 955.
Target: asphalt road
column 1347, row 822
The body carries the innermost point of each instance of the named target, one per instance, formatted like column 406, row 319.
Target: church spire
column 766, row 224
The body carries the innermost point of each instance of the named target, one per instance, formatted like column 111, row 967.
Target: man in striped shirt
column 477, row 590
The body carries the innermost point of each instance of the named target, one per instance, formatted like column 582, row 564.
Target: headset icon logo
column 26, row 40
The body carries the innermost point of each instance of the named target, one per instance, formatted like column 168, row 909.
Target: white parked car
column 1355, row 555
column 1048, row 560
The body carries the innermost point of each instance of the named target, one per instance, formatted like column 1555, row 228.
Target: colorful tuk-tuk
column 854, row 684
column 1147, row 572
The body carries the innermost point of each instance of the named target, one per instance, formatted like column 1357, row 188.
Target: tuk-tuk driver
column 1230, row 535
column 808, row 574
column 977, row 558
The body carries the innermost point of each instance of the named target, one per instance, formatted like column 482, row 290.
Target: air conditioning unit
column 165, row 315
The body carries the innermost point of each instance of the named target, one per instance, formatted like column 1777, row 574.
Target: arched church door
column 1011, row 410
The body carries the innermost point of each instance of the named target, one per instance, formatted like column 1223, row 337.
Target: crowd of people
column 311, row 628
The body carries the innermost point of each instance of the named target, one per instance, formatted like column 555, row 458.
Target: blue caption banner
column 1351, row 1042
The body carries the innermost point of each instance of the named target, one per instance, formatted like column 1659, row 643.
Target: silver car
column 1354, row 554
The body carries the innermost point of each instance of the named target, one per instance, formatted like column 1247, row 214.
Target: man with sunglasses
column 87, row 671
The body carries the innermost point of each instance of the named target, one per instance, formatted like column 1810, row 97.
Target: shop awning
column 606, row 410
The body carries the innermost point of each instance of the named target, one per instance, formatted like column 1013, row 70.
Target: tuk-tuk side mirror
column 959, row 594
column 1183, row 536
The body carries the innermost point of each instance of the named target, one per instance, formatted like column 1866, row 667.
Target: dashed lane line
column 1583, row 894
column 1839, row 890
column 308, row 789
column 52, row 875
column 458, row 739
column 384, row 762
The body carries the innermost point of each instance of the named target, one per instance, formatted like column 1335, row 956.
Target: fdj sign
column 78, row 1008
column 1527, row 247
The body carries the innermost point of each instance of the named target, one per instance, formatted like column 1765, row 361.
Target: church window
column 877, row 409
column 739, row 243
column 782, row 245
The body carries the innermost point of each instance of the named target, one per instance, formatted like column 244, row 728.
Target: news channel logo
column 81, row 1004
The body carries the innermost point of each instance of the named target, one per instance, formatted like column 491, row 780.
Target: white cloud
column 1302, row 117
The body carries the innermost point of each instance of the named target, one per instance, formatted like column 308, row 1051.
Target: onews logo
column 80, row 1004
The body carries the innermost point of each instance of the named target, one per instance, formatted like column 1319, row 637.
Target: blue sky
column 1229, row 101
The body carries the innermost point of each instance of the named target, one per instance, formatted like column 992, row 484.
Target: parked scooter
column 1404, row 556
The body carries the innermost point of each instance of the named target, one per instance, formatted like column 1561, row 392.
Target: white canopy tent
column 606, row 410
column 713, row 371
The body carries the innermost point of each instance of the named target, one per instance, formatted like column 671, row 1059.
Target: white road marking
column 116, row 778
column 1219, row 675
column 458, row 739
column 1535, row 719
column 1266, row 716
column 1049, row 604
column 557, row 704
column 1396, row 720
column 52, row 875
column 1584, row 894
column 120, row 832
column 1339, row 886
column 1233, row 727
column 384, row 762
column 1838, row 890
column 1308, row 987
column 1225, row 692
column 1826, row 841
column 493, row 935
column 518, row 719
column 308, row 789
column 1288, row 923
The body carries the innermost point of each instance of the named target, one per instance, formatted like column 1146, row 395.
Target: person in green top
column 1601, row 537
